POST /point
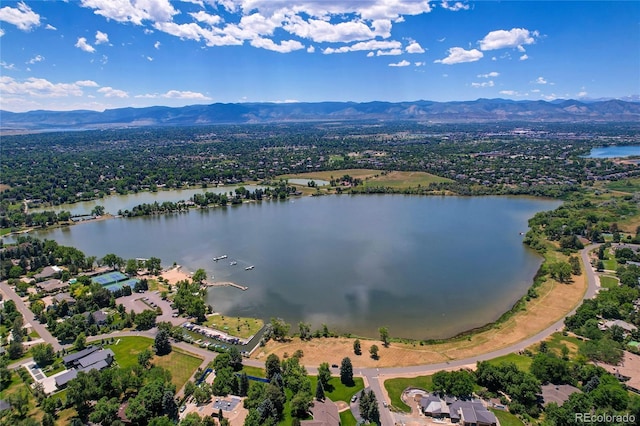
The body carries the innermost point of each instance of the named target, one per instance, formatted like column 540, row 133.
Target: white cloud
column 323, row 31
column 492, row 74
column 156, row 45
column 83, row 45
column 87, row 83
column 483, row 84
column 22, row 17
column 285, row 46
column 148, row 58
column 513, row 38
column 414, row 47
column 541, row 80
column 50, row 27
column 311, row 49
column 455, row 6
column 37, row 58
column 535, row 90
column 101, row 37
column 513, row 93
column 419, row 64
column 175, row 94
column 370, row 55
column 365, row 45
column 392, row 52
column 134, row 11
column 1, row 32
column 582, row 94
column 203, row 16
column 524, row 57
column 110, row 92
column 38, row 87
column 402, row 63
column 6, row 66
column 458, row 55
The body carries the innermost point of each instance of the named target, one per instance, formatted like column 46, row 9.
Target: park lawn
column 236, row 326
column 340, row 392
column 5, row 231
column 254, row 371
column 625, row 185
column 395, row 387
column 506, row 419
column 126, row 349
column 608, row 281
column 521, row 361
column 180, row 364
column 347, row 419
column 401, row 180
column 610, row 264
column 556, row 341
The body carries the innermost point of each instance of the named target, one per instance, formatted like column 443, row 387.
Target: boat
column 248, row 268
column 233, row 263
column 224, row 256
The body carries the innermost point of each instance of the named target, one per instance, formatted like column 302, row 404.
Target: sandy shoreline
column 175, row 274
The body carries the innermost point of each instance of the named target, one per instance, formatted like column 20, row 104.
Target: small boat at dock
column 224, row 256
column 233, row 263
column 248, row 268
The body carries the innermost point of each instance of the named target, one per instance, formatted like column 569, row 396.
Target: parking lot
column 138, row 302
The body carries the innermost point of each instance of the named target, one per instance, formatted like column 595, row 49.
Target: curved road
column 372, row 376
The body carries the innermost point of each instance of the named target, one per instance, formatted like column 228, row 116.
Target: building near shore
column 466, row 413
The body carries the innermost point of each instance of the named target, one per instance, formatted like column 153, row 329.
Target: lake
column 615, row 151
column 425, row 267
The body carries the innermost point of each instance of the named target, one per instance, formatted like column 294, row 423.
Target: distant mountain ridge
column 481, row 110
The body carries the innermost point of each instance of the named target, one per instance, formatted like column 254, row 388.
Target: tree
column 279, row 328
column 272, row 366
column 144, row 358
column 146, row 319
column 97, row 211
column 373, row 350
column 153, row 265
column 105, row 411
column 324, row 375
column 15, row 349
column 319, row 391
column 43, row 354
column 561, row 271
column 80, row 342
column 357, row 349
column 305, row 330
column 384, row 336
column 243, row 384
column 369, row 407
column 132, row 267
column 199, row 276
column 161, row 343
column 346, row 372
column 300, row 404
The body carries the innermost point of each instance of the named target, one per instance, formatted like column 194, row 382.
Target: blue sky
column 101, row 54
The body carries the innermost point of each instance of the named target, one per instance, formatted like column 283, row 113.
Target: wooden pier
column 226, row 284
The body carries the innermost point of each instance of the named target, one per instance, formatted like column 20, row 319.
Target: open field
column 521, row 361
column 347, row 419
column 336, row 390
column 254, row 371
column 395, row 387
column 553, row 302
column 126, row 349
column 609, row 282
column 180, row 364
column 557, row 340
column 236, row 326
column 625, row 185
column 370, row 177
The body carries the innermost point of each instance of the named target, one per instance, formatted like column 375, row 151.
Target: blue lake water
column 425, row 267
column 615, row 151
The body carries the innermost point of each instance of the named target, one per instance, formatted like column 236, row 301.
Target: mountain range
column 481, row 110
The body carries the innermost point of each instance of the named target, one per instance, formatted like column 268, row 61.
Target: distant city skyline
column 103, row 54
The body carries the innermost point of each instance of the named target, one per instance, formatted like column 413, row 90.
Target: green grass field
column 347, row 419
column 557, row 340
column 371, row 177
column 339, row 392
column 522, row 362
column 254, row 371
column 126, row 349
column 235, row 326
column 625, row 185
column 395, row 387
column 180, row 364
column 608, row 282
column 506, row 419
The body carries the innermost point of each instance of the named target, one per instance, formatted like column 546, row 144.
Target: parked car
column 354, row 398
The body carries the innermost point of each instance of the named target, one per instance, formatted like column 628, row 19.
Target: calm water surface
column 425, row 267
column 614, row 152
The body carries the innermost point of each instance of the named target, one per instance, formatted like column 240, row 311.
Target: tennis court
column 109, row 278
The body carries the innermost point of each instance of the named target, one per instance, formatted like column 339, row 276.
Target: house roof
column 80, row 354
column 100, row 365
column 47, row 271
column 66, row 377
column 51, row 285
column 625, row 325
column 64, row 296
column 629, row 367
column 325, row 413
column 95, row 357
column 557, row 393
column 99, row 316
column 4, row 405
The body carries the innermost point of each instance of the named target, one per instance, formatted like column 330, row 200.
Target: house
column 52, row 285
column 628, row 371
column 98, row 360
column 64, row 378
column 64, row 296
column 629, row 328
column 325, row 413
column 71, row 360
column 466, row 413
column 557, row 393
column 48, row 272
column 100, row 317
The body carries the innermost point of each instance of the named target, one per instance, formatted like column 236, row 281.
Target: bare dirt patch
column 554, row 301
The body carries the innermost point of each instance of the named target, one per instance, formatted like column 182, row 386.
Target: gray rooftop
column 95, row 357
column 80, row 354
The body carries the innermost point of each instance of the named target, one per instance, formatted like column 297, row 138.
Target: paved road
column 29, row 317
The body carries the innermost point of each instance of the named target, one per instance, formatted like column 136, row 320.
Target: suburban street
column 373, row 377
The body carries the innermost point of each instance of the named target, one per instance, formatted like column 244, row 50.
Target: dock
column 226, row 284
